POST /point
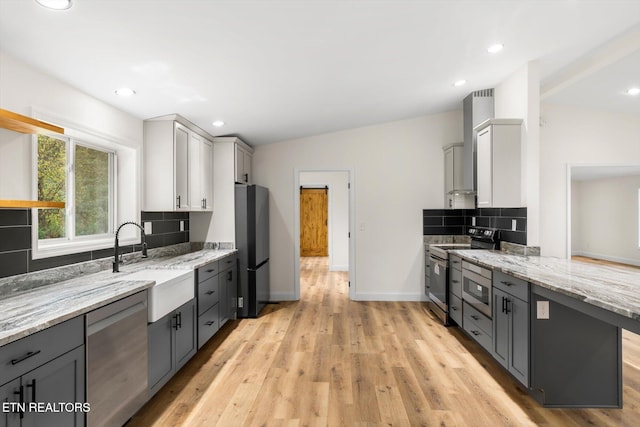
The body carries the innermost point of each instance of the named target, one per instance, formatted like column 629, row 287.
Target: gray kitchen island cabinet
column 511, row 325
column 46, row 368
column 172, row 342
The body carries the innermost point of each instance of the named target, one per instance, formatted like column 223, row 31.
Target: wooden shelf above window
column 23, row 124
column 22, row 204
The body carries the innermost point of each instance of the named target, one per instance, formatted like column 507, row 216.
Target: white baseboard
column 360, row 296
column 282, row 296
column 338, row 268
column 607, row 257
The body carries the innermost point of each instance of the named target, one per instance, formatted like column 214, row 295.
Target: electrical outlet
column 148, row 228
column 514, row 224
column 240, row 302
column 181, row 225
column 542, row 310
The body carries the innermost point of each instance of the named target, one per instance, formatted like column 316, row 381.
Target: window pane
column 52, row 160
column 92, row 191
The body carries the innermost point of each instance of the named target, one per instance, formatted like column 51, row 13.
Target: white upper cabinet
column 243, row 159
column 499, row 163
column 178, row 166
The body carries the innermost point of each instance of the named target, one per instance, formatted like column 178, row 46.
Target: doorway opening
column 323, row 224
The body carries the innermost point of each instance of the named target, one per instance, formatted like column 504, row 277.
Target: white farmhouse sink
column 172, row 289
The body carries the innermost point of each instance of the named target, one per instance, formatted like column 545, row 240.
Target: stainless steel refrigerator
column 252, row 242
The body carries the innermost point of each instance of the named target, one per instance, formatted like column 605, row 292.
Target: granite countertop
column 24, row 313
column 613, row 288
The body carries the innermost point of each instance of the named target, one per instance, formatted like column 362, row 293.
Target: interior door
column 314, row 213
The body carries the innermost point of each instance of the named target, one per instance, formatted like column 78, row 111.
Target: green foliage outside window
column 52, row 179
column 91, row 177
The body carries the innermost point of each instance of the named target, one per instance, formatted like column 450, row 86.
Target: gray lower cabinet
column 228, row 284
column 511, row 334
column 172, row 342
column 217, row 290
column 47, row 367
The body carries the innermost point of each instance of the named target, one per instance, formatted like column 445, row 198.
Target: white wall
column 574, row 135
column 518, row 97
column 605, row 219
column 27, row 91
column 338, row 220
column 398, row 171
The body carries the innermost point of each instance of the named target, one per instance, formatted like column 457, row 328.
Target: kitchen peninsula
column 576, row 311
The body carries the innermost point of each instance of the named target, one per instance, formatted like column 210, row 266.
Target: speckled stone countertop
column 25, row 312
column 613, row 288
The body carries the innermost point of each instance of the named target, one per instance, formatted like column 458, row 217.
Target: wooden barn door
column 314, row 211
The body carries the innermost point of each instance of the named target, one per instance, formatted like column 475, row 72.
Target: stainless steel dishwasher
column 117, row 360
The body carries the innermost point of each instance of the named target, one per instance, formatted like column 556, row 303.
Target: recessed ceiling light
column 460, row 83
column 55, row 4
column 125, row 91
column 633, row 91
column 495, row 48
column 218, row 123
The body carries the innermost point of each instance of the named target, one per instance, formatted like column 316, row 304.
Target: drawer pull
column 209, row 323
column 504, row 282
column 210, row 292
column 25, row 357
column 476, row 333
column 211, row 270
column 454, row 308
column 474, row 317
column 455, row 281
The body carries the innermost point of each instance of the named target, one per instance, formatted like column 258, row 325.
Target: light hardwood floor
column 329, row 361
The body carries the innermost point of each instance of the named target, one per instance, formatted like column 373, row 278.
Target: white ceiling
column 276, row 70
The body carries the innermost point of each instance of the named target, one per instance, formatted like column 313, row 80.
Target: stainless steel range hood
column 477, row 107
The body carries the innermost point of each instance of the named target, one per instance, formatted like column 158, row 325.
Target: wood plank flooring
column 329, row 361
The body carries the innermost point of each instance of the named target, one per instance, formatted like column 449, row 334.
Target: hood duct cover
column 477, row 107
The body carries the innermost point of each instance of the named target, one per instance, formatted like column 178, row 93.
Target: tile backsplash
column 457, row 221
column 15, row 241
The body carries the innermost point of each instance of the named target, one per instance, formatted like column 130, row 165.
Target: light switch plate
column 148, row 228
column 542, row 310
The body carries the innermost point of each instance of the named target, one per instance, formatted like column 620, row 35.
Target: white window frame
column 126, row 168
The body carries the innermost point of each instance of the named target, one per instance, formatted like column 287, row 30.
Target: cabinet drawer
column 208, row 271
column 455, row 262
column 208, row 325
column 455, row 308
column 479, row 319
column 455, row 282
column 208, row 294
column 227, row 262
column 28, row 353
column 477, row 333
column 517, row 287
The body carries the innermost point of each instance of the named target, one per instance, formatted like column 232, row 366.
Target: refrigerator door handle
column 258, row 266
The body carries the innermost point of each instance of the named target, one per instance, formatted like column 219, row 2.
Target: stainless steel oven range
column 481, row 238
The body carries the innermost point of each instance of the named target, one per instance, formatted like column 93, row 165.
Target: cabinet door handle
column 32, row 386
column 210, row 322
column 25, row 357
column 246, row 177
column 506, row 305
column 179, row 320
column 20, row 394
column 210, row 292
column 229, row 276
column 502, row 304
column 178, row 202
